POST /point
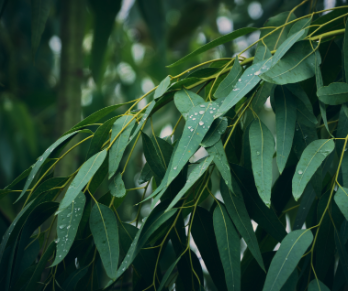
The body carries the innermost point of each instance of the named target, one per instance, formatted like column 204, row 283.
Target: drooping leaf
column 116, row 186
column 341, row 199
column 204, row 237
column 262, row 53
column 333, row 94
column 261, row 96
column 345, row 50
column 105, row 234
column 215, row 132
column 67, row 226
column 341, row 239
column 166, row 277
column 285, row 112
column 185, row 100
column 100, row 136
column 86, row 172
column 162, row 88
column 302, row 24
column 221, row 40
column 262, row 151
column 199, row 121
column 291, row 282
column 74, row 278
column 296, row 65
column 308, row 197
column 40, row 12
column 121, row 130
column 226, row 86
column 317, row 285
column 249, row 79
column 146, row 174
column 104, row 19
column 228, row 246
column 235, row 206
column 312, row 157
column 193, row 177
column 35, row 278
column 291, row 250
column 41, row 160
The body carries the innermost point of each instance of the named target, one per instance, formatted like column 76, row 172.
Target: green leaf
column 303, row 137
column 291, row 250
column 185, row 100
column 162, row 88
column 118, row 148
column 104, row 20
column 199, row 121
column 285, row 46
column 249, row 79
column 35, row 278
column 116, row 186
column 105, row 234
column 276, row 39
column 228, row 242
column 285, row 112
column 41, row 160
column 40, row 12
column 265, row 217
column 146, row 174
column 230, row 81
column 86, row 172
column 235, row 205
column 312, row 157
column 308, row 197
column 67, row 226
column 224, row 39
column 302, row 24
column 261, row 96
column 296, row 65
column 100, row 136
column 193, row 177
column 95, row 117
column 333, row 94
column 341, row 238
column 220, row 159
column 149, row 110
column 262, row 151
column 204, row 237
column 262, row 53
column 215, row 132
column 341, row 199
column 317, row 285
column 74, row 278
column 304, row 115
column 345, row 50
column 167, row 274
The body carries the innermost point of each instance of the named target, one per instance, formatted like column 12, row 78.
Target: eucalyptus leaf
column 317, row 285
column 333, row 94
column 116, row 186
column 162, row 88
column 341, row 199
column 185, row 100
column 215, row 132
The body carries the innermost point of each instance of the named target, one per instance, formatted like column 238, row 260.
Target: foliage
column 67, row 238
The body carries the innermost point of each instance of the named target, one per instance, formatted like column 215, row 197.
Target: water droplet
column 300, row 172
column 189, row 127
column 235, row 90
column 191, row 131
column 41, row 159
column 203, row 127
column 60, row 256
column 214, row 108
column 175, row 168
column 202, row 105
column 211, row 111
column 69, row 214
column 62, row 226
column 239, row 80
column 201, row 123
column 78, row 209
column 258, row 72
column 77, row 265
column 57, row 240
column 257, row 152
column 201, row 112
column 68, row 227
column 123, row 269
column 226, row 182
column 196, row 113
column 194, row 118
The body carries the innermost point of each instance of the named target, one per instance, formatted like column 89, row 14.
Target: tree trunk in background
column 69, row 93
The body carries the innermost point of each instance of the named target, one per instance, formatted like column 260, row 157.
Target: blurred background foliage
column 96, row 53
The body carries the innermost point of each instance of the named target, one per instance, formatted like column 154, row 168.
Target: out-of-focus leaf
column 312, row 157
column 199, row 121
column 262, row 151
column 116, row 186
column 235, row 205
column 40, row 11
column 285, row 112
column 228, row 246
column 308, row 197
column 104, row 19
column 185, row 100
column 86, row 172
column 333, row 94
column 341, row 199
column 105, row 234
column 226, row 86
column 204, row 237
column 221, row 40
column 167, row 274
column 345, row 50
column 249, row 79
column 146, row 174
column 296, row 65
column 317, row 285
column 162, row 88
column 291, row 250
column 261, row 96
column 70, row 283
column 67, row 227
